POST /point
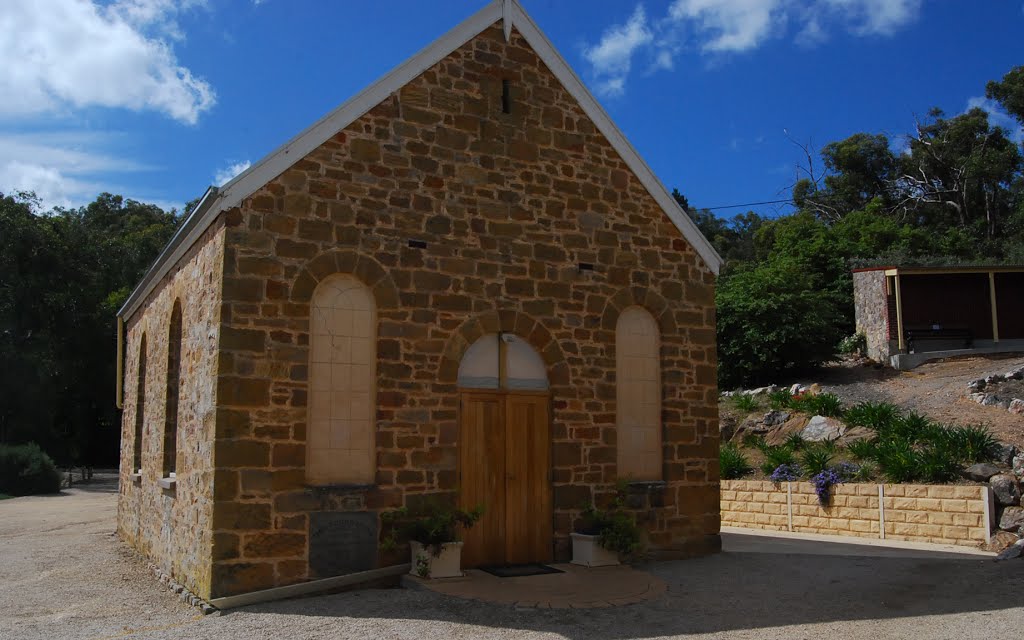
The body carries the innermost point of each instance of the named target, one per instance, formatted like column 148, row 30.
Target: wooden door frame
column 503, row 395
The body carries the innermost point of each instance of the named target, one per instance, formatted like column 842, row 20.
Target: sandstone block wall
column 173, row 528
column 872, row 313
column 917, row 513
column 509, row 205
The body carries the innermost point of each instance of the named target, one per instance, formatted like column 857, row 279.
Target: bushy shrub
column 781, row 399
column 27, row 470
column 861, row 449
column 732, row 463
column 795, row 442
column 855, row 344
column 774, row 317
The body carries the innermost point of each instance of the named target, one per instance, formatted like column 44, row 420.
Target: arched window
column 140, row 408
column 173, row 391
column 638, row 393
column 341, row 438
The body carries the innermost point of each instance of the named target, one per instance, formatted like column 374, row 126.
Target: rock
column 1015, row 375
column 778, row 435
column 821, row 428
column 981, row 471
column 208, row 609
column 726, row 394
column 857, row 433
column 814, row 389
column 1001, row 540
column 992, row 379
column 1012, row 551
column 992, row 400
column 775, row 418
column 726, row 428
column 976, row 385
column 1018, row 465
column 1012, row 519
column 1005, row 488
column 1004, row 453
column 979, row 397
column 795, row 389
column 1016, row 406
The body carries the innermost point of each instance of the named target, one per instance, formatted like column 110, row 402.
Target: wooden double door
column 505, row 466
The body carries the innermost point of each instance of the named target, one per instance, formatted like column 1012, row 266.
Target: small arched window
column 140, row 408
column 341, row 438
column 173, row 392
column 638, row 394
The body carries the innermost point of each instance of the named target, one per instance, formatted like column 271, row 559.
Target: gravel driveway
column 65, row 576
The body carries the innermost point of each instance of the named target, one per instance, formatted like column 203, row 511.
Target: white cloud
column 73, row 53
column 731, row 25
column 227, row 173
column 719, row 27
column 611, row 58
column 998, row 117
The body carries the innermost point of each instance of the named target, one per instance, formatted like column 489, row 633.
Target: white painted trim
column 789, row 506
column 881, row 512
column 988, row 511
column 506, row 19
column 512, row 14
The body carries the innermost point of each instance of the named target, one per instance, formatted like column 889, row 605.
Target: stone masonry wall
column 872, row 312
column 917, row 513
column 173, row 528
column 508, row 205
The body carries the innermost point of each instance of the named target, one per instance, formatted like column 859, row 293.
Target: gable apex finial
column 506, row 18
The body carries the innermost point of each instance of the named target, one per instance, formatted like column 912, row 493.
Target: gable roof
column 512, row 15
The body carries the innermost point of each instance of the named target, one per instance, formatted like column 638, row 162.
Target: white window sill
column 136, row 478
column 168, row 484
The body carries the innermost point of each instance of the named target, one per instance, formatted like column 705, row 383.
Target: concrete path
column 64, row 576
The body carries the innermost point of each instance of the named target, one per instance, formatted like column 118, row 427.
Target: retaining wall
column 939, row 514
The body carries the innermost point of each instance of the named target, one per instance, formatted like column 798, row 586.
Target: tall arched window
column 638, row 376
column 173, row 391
column 341, row 438
column 140, row 408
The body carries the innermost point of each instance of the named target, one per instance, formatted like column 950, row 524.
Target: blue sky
column 156, row 99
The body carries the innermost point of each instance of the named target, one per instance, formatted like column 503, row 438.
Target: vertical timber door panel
column 528, row 534
column 482, row 464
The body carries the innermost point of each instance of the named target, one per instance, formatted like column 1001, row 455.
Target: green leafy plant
column 795, row 442
column 774, row 457
column 754, row 441
column 27, row 470
column 976, row 443
column 879, row 416
column 780, row 399
column 815, row 459
column 732, row 462
column 937, row 463
column 615, row 527
column 746, row 403
column 898, row 460
column 855, row 344
column 824, row 404
column 432, row 524
column 862, row 450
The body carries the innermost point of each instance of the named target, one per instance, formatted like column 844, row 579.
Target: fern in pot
column 432, row 532
column 603, row 536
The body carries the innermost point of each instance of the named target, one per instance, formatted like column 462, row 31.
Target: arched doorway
column 505, row 452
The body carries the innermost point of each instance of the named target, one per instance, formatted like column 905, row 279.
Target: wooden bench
column 914, row 335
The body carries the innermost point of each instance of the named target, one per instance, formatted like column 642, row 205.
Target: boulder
column 775, row 418
column 778, row 435
column 814, row 389
column 981, row 472
column 857, row 433
column 1011, row 552
column 976, row 385
column 795, row 389
column 726, row 428
column 979, row 397
column 1016, row 406
column 1004, row 487
column 1000, row 540
column 1018, row 465
column 820, row 428
column 1012, row 519
column 1004, row 453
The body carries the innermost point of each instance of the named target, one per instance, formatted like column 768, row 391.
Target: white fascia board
column 558, row 66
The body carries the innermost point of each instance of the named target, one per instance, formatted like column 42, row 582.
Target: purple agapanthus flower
column 823, row 485
column 786, row 473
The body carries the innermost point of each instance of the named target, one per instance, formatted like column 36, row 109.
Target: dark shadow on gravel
column 726, row 592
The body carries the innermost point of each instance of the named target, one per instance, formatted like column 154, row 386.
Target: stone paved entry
column 576, row 588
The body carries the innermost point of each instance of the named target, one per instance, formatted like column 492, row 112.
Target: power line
column 749, row 204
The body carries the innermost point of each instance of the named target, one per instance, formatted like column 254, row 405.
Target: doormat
column 520, row 570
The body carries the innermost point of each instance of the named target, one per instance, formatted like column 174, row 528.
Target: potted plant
column 431, row 530
column 602, row 536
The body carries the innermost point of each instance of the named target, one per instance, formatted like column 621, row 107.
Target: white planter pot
column 586, row 552
column 448, row 564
